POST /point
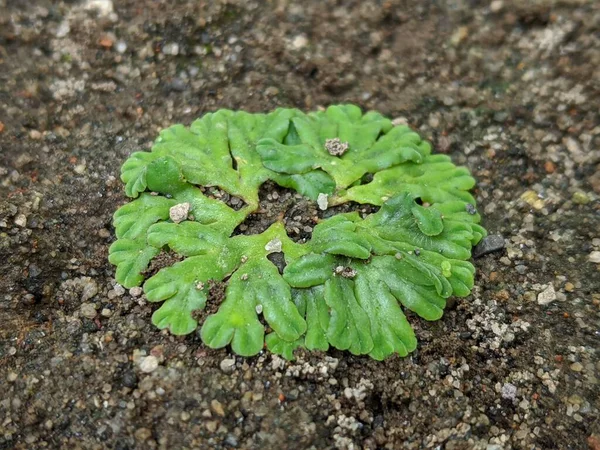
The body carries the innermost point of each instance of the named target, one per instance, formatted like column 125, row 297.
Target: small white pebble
column 400, row 121
column 179, row 213
column 594, row 257
column 335, row 147
column 104, row 7
column 274, row 246
column 148, row 364
column 121, row 47
column 63, row 29
column 547, row 296
column 299, row 42
column 136, row 291
column 79, row 169
column 227, row 365
column 119, row 290
column 496, row 5
column 171, row 49
column 21, row 220
column 90, row 289
column 322, row 201
column 509, row 391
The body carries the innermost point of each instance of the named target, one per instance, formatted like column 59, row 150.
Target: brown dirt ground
column 508, row 88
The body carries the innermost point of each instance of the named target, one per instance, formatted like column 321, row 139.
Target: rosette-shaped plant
column 346, row 286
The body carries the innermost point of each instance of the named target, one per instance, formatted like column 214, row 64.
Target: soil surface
column 510, row 89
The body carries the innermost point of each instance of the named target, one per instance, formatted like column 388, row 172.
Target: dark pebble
column 40, row 317
column 89, row 326
column 129, row 379
column 278, row 259
column 488, row 244
column 471, row 209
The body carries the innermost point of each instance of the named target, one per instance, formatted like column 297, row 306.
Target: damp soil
column 165, row 258
column 507, row 88
column 298, row 214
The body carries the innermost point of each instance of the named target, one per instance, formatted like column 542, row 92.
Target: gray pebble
column 488, row 244
column 90, row 289
column 231, row 440
column 509, row 391
column 521, row 269
column 171, row 49
column 135, row 291
column 228, row 365
column 88, row 310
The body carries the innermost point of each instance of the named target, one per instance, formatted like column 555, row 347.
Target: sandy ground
column 509, row 89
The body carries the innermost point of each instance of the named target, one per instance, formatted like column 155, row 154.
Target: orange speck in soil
column 550, row 167
column 593, row 442
column 106, row 42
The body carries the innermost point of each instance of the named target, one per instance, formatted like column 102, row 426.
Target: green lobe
column 429, row 220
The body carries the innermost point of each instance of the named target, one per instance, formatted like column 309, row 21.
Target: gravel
column 547, row 296
column 228, row 365
column 506, row 88
column 148, row 364
column 594, row 257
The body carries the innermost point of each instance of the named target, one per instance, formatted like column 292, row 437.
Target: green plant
column 342, row 288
